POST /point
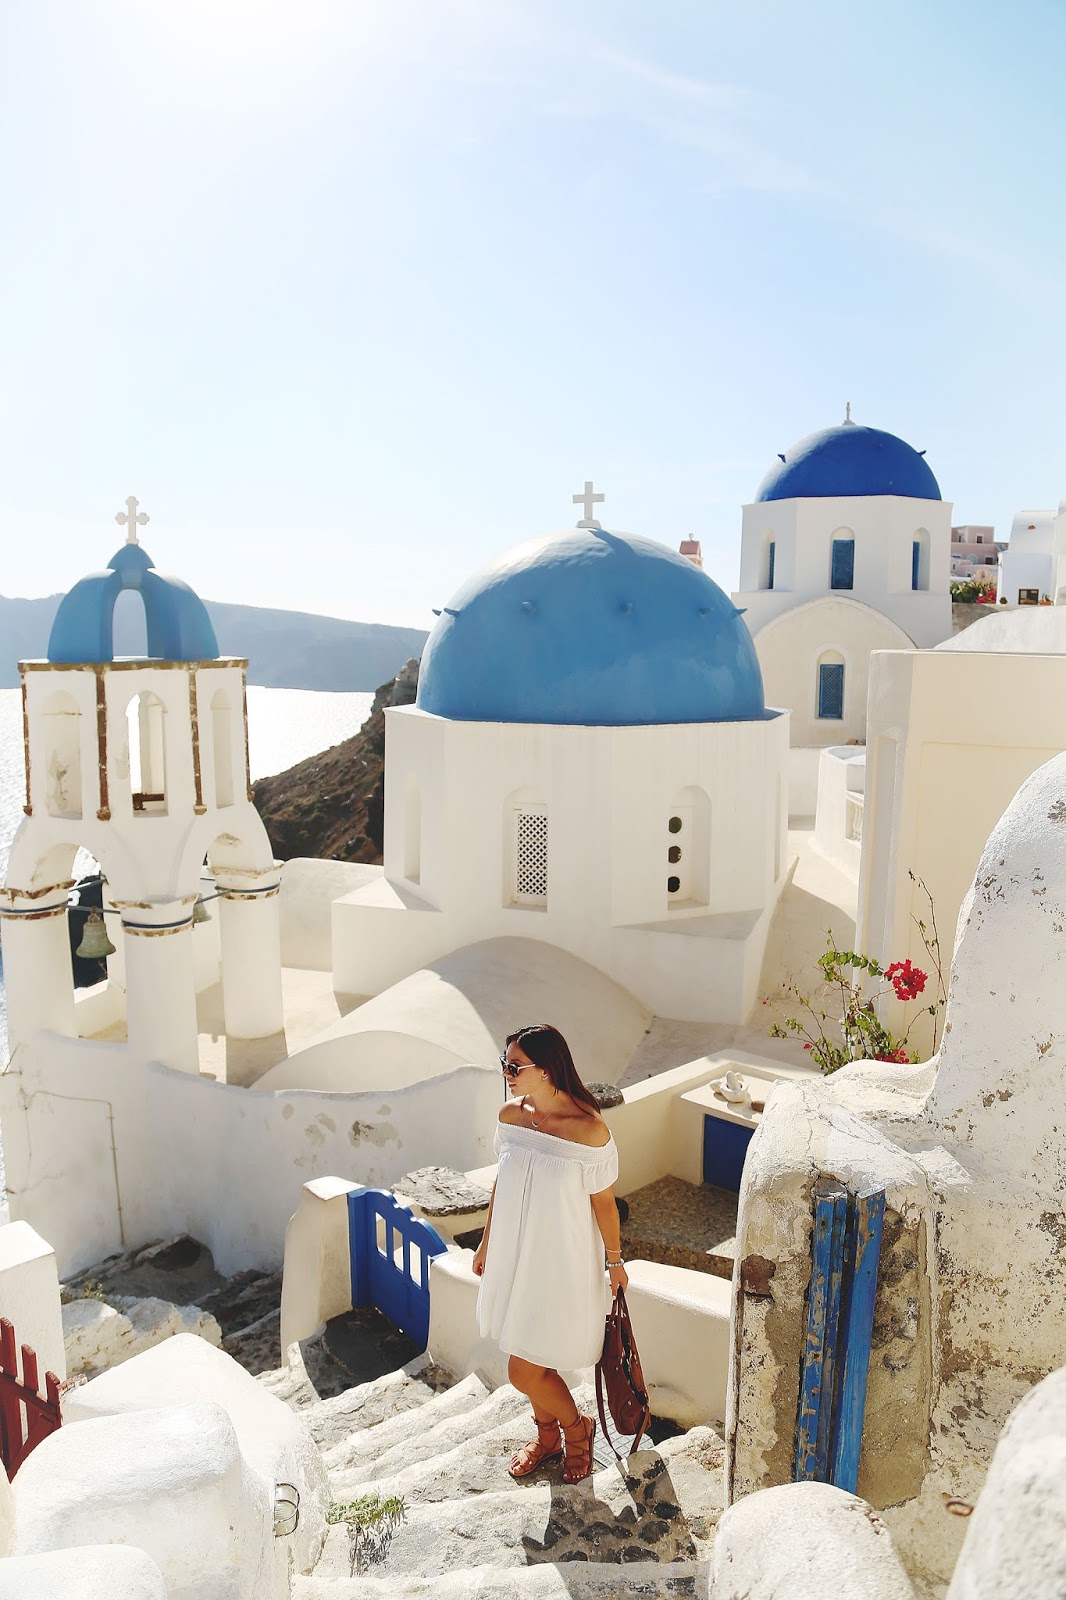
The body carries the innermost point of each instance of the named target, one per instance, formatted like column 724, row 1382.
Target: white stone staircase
column 643, row 1528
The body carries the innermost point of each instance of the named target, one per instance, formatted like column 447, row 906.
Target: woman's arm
column 483, row 1248
column 606, row 1213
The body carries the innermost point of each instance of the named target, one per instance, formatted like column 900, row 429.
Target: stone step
column 367, row 1405
column 464, row 1512
column 412, row 1435
column 468, row 1456
column 570, row 1580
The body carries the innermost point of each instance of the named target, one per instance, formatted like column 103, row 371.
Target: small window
column 770, row 564
column 916, row 562
column 673, row 855
column 673, row 885
column 831, row 690
column 980, row 538
column 674, row 824
column 842, row 571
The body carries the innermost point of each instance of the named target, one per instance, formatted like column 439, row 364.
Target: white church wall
column 609, row 795
column 791, row 647
column 884, row 528
column 803, row 763
column 952, row 736
column 308, row 890
column 104, row 1151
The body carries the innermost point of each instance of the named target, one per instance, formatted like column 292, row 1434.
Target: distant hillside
column 285, row 649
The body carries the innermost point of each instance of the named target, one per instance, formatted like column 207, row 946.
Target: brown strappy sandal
column 547, row 1446
column 578, row 1458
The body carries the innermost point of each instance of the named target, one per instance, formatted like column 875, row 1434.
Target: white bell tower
column 143, row 762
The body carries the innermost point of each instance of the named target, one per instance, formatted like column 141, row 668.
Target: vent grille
column 531, row 855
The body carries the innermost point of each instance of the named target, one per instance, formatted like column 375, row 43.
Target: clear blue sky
column 353, row 294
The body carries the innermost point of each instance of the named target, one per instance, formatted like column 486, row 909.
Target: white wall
column 952, row 735
column 841, row 804
column 29, row 1296
column 308, row 890
column 790, row 647
column 104, row 1152
column 883, row 527
column 609, row 794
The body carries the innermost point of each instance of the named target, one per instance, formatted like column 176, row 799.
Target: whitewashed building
column 1034, row 563
column 845, row 549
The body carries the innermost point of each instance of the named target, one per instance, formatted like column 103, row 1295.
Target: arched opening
column 842, row 560
column 129, row 625
column 920, row 560
column 830, row 686
column 525, row 835
column 222, row 747
column 767, row 560
column 62, row 756
column 146, row 730
column 688, row 849
column 412, row 832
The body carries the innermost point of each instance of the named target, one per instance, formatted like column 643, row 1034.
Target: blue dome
column 849, row 460
column 178, row 626
column 591, row 628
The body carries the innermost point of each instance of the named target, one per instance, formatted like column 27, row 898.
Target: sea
column 284, row 726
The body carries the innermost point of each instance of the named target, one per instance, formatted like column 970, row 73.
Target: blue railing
column 392, row 1274
column 845, row 1252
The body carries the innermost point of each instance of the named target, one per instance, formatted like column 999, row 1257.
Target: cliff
column 332, row 804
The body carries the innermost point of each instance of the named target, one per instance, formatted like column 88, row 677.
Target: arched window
column 525, row 836
column 688, row 849
column 831, row 686
column 412, row 832
column 146, row 727
column 222, row 747
column 129, row 625
column 920, row 560
column 62, row 756
column 842, row 560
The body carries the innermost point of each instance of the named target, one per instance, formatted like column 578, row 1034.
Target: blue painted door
column 391, row 1273
column 725, row 1145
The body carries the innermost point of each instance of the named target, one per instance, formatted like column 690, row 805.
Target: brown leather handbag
column 618, row 1372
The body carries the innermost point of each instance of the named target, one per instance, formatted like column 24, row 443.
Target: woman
column 541, row 1260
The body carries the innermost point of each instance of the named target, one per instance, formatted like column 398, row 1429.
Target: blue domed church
column 845, row 549
column 590, row 763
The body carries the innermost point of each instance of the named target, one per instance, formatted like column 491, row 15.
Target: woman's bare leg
column 550, row 1397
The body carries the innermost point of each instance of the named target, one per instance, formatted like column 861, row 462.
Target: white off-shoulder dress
column 544, row 1294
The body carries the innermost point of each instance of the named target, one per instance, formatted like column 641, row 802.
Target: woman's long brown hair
column 547, row 1049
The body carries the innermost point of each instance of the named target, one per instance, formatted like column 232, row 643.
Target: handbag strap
column 600, row 1408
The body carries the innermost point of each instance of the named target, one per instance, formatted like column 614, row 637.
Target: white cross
column 130, row 518
column 847, row 412
column 587, row 500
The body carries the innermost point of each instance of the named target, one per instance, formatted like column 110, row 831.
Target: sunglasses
column 513, row 1068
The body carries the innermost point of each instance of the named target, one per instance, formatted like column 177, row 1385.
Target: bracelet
column 618, row 1263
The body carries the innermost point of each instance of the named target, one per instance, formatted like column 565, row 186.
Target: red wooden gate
column 42, row 1414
